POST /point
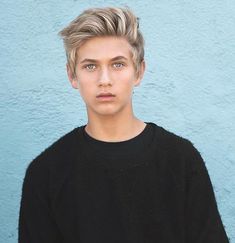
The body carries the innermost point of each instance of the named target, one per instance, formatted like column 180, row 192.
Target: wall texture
column 188, row 87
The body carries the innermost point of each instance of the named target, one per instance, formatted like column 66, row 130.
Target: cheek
column 87, row 91
column 127, row 82
column 83, row 82
column 86, row 79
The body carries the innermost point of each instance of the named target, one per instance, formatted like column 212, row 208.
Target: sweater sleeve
column 203, row 221
column 36, row 223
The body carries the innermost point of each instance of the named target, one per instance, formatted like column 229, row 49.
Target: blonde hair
column 98, row 22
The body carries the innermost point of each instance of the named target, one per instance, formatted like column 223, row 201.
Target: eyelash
column 120, row 65
column 89, row 65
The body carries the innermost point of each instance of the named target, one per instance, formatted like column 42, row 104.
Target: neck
column 114, row 129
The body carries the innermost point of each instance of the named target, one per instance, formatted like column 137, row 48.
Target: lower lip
column 106, row 98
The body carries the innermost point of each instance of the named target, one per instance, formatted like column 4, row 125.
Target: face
column 106, row 76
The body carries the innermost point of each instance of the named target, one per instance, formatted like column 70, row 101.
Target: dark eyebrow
column 118, row 58
column 88, row 60
column 94, row 60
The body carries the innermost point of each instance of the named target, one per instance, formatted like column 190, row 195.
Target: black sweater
column 153, row 188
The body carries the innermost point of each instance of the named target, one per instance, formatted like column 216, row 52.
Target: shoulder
column 169, row 140
column 48, row 171
column 178, row 156
column 176, row 148
column 55, row 155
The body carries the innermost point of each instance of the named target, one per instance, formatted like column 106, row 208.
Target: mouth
column 105, row 96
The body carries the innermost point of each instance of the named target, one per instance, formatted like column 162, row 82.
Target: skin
column 105, row 78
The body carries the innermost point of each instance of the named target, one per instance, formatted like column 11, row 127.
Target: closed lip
column 105, row 94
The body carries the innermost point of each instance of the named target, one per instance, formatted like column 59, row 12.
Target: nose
column 105, row 78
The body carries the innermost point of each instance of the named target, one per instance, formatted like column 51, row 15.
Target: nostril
column 105, row 81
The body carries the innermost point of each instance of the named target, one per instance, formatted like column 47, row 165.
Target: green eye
column 90, row 67
column 118, row 65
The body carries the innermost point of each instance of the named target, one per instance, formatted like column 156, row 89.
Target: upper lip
column 102, row 94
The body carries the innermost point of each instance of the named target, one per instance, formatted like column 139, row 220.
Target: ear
column 141, row 73
column 71, row 77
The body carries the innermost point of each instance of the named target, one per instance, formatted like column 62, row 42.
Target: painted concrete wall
column 188, row 87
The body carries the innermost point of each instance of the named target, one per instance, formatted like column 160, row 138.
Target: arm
column 203, row 221
column 36, row 223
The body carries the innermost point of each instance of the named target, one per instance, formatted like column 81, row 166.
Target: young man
column 117, row 178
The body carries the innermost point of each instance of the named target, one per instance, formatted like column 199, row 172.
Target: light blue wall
column 188, row 87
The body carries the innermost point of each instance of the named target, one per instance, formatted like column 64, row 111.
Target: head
column 101, row 22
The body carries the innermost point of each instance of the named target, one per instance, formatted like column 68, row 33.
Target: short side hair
column 98, row 22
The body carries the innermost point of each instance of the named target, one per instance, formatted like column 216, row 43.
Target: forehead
column 104, row 48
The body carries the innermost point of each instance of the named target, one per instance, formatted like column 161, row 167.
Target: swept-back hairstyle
column 98, row 22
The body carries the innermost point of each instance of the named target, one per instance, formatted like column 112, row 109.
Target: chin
column 108, row 111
